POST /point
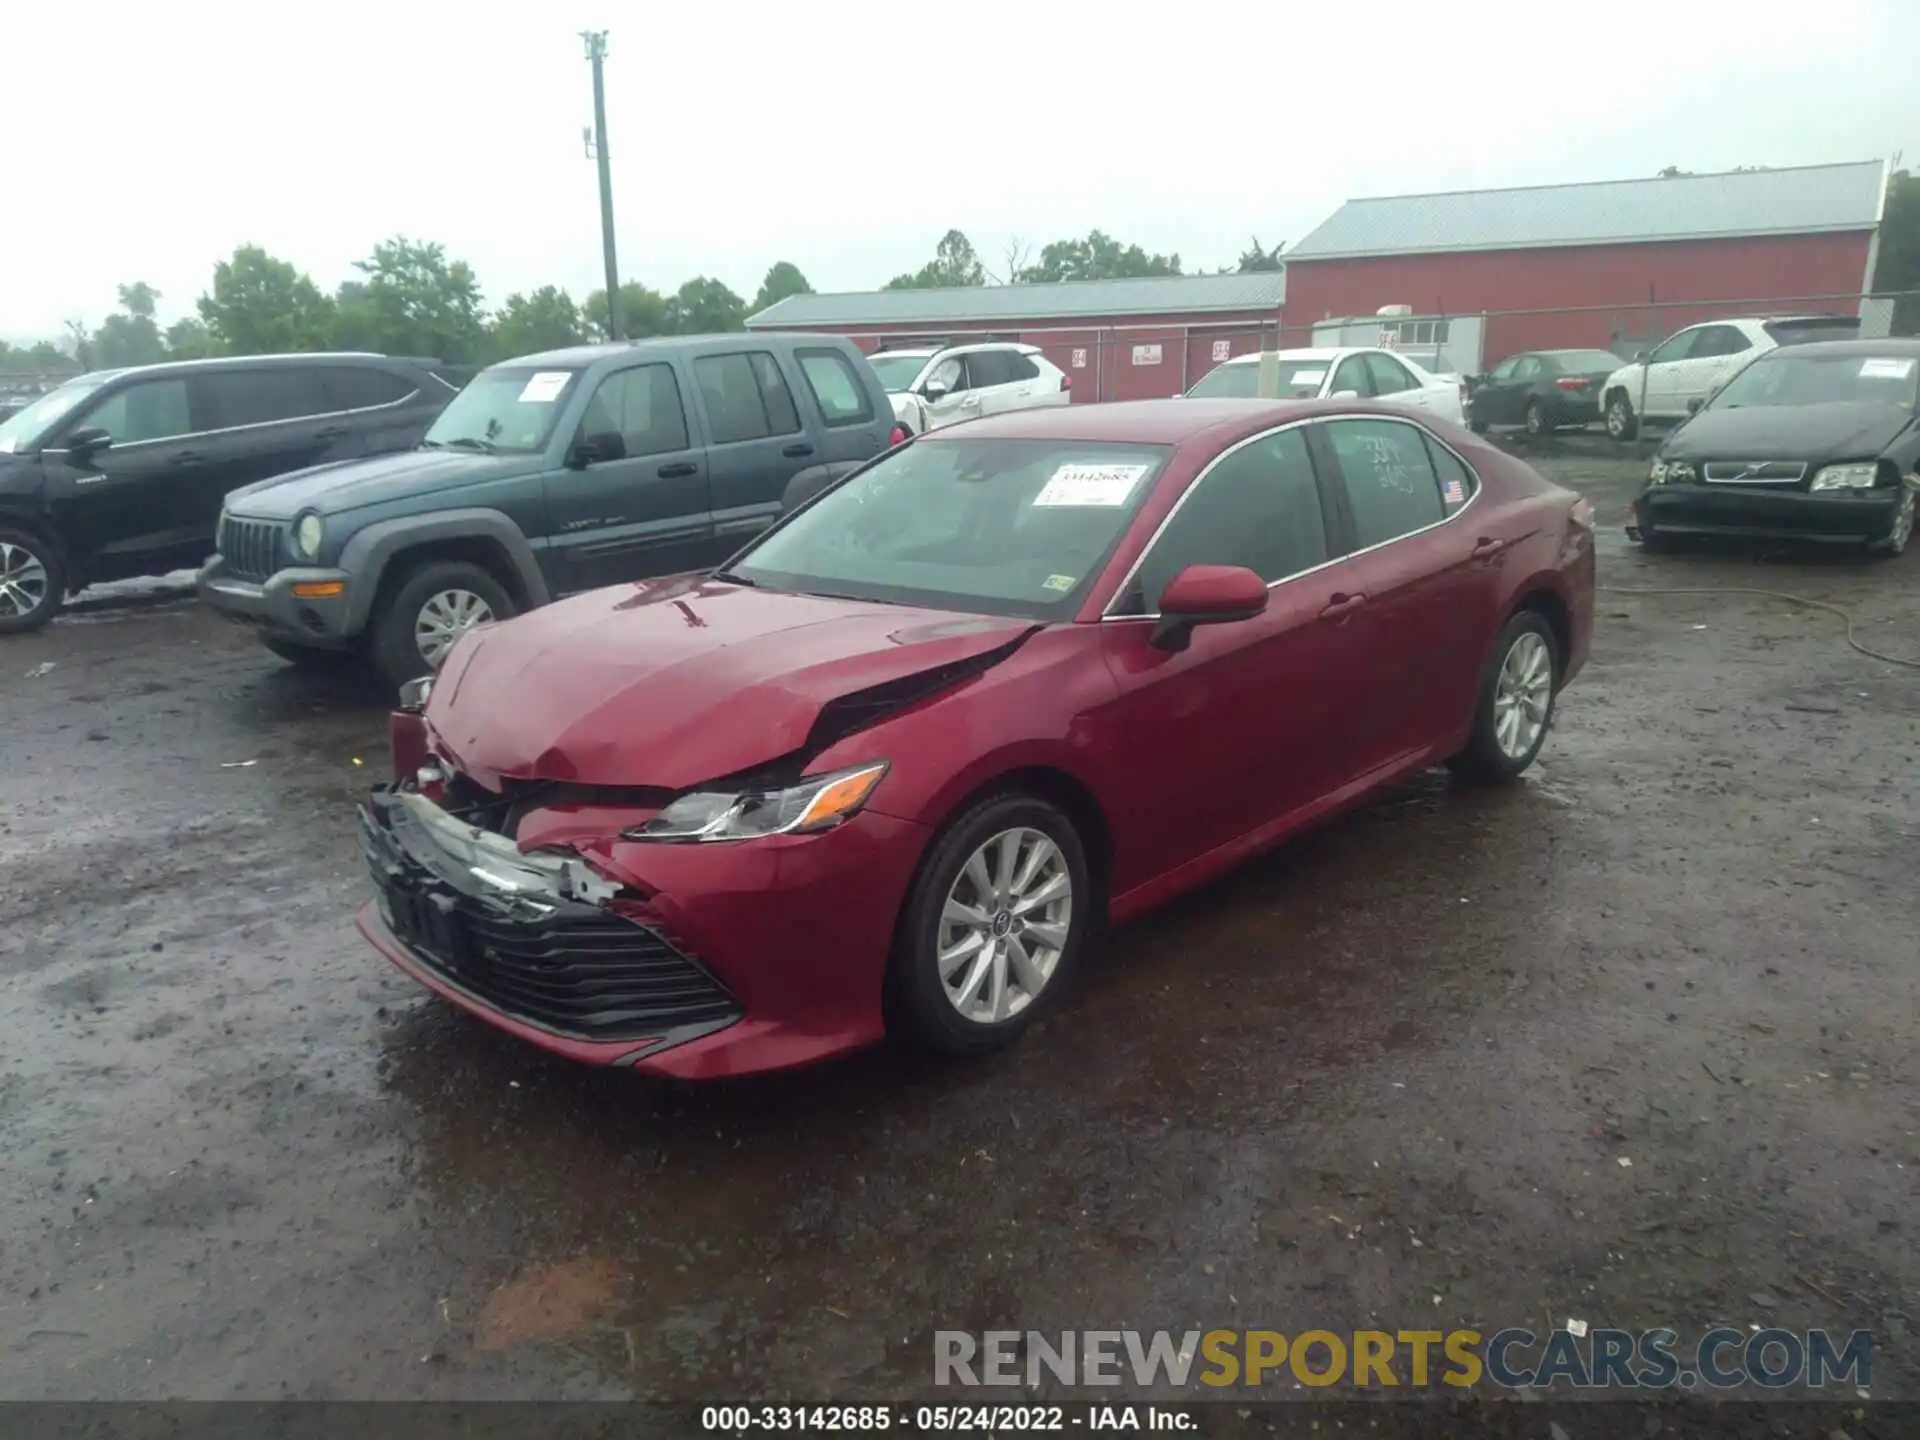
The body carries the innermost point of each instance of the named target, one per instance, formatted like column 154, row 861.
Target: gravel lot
column 1392, row 1074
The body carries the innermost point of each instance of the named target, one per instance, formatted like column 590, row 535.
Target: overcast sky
column 149, row 140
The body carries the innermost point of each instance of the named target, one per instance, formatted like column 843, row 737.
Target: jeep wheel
column 33, row 583
column 432, row 608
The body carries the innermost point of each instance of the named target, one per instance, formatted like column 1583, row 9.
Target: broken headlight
column 818, row 802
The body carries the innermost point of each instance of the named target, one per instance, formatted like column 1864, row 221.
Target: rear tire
column 972, row 963
column 1622, row 424
column 33, row 582
column 1515, row 708
column 1479, row 427
column 1536, row 420
column 434, row 604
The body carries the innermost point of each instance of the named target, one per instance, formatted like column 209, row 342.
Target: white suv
column 1668, row 383
column 939, row 385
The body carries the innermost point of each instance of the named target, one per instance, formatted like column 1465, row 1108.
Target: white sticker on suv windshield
column 1885, row 369
column 544, row 387
column 1059, row 583
column 1107, row 485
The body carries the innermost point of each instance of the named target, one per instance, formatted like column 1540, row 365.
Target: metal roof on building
column 1805, row 200
column 1077, row 299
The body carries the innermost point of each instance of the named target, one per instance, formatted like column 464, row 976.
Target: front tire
column 33, row 582
column 433, row 607
column 1896, row 539
column 1515, row 709
column 1622, row 424
column 994, row 925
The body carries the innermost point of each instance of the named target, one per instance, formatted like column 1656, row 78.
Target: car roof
column 229, row 362
column 1891, row 347
column 1136, row 422
column 577, row 355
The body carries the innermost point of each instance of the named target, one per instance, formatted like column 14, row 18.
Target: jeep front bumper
column 303, row 605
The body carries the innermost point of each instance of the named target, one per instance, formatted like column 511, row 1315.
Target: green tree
column 1098, row 257
column 258, row 305
column 1258, row 257
column 1899, row 265
column 783, row 279
column 527, row 324
column 188, row 339
column 705, row 307
column 130, row 336
column 954, row 263
column 414, row 301
column 643, row 312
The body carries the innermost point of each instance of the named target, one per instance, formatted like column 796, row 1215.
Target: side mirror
column 83, row 444
column 934, row 391
column 1640, row 356
column 1693, row 405
column 1207, row 595
column 596, row 449
column 1344, row 395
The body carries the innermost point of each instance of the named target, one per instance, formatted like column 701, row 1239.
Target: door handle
column 187, row 457
column 796, row 450
column 679, row 471
column 1488, row 547
column 332, row 432
column 1341, row 606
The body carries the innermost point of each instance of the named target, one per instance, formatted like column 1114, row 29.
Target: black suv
column 547, row 475
column 121, row 472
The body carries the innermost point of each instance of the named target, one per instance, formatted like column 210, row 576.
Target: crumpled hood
column 1813, row 433
column 346, row 484
column 671, row 683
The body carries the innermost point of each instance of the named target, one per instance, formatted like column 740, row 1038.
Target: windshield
column 27, row 428
column 1240, row 380
column 995, row 527
column 1582, row 362
column 896, row 372
column 1782, row 378
column 509, row 412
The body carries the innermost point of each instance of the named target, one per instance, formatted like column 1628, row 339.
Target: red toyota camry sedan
column 896, row 763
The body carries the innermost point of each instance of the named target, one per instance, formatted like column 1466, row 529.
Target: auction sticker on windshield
column 1885, row 369
column 1104, row 485
column 544, row 387
column 1059, row 583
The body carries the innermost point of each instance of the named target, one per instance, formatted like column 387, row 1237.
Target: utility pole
column 597, row 147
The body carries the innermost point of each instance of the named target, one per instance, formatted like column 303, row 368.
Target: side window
column 360, row 387
column 1506, row 369
column 643, row 406
column 261, row 397
column 1257, row 507
column 836, row 387
column 1457, row 482
column 1352, row 375
column 1528, row 368
column 988, row 367
column 1021, row 367
column 1391, row 487
column 1720, row 340
column 950, row 373
column 744, row 396
column 1680, row 347
column 1390, row 377
column 144, row 410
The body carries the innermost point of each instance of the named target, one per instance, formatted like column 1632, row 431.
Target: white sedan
column 1340, row 374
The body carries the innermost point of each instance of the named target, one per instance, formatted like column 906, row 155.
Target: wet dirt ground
column 1390, row 1076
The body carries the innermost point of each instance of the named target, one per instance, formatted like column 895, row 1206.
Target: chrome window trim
column 120, row 449
column 1146, row 550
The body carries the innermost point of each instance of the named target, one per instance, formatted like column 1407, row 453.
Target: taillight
column 1066, row 383
column 1571, row 384
column 900, row 436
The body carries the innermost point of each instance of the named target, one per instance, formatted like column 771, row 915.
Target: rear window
column 262, row 397
column 836, row 387
column 1815, row 327
column 745, row 397
column 1581, row 362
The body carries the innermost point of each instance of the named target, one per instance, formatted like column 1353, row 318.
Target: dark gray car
column 547, row 475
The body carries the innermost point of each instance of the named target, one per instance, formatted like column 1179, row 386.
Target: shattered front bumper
column 540, row 945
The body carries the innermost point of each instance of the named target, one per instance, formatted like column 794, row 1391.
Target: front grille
column 566, row 966
column 1754, row 472
column 251, row 548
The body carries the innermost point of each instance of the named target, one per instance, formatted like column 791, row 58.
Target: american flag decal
column 1456, row 493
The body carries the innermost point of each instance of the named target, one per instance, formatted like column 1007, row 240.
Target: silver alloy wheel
column 1902, row 523
column 444, row 619
column 1521, row 695
column 1617, row 419
column 1536, row 420
column 23, row 581
column 1005, row 925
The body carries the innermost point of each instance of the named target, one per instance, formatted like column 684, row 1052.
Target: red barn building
column 1618, row 264
column 1115, row 339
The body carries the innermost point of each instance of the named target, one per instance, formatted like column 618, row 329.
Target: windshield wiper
column 473, row 442
column 733, row 579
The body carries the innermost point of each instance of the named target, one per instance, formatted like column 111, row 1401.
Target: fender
column 371, row 549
